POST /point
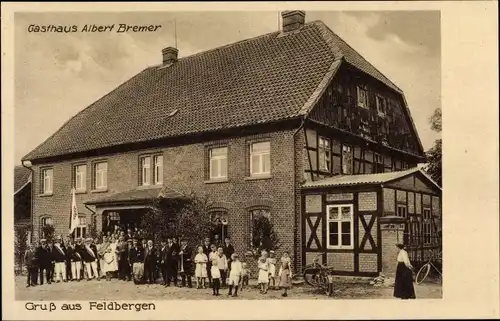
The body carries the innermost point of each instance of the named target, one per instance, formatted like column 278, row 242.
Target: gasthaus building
column 293, row 124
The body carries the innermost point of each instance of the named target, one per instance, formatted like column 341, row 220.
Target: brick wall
column 339, row 197
column 368, row 262
column 390, row 237
column 389, row 195
column 184, row 169
column 340, row 261
column 367, row 201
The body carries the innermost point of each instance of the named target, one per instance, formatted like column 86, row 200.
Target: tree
column 187, row 217
column 48, row 232
column 263, row 236
column 20, row 244
column 434, row 162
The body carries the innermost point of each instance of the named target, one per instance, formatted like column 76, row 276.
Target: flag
column 73, row 219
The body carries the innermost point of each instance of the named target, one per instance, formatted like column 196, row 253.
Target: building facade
column 249, row 124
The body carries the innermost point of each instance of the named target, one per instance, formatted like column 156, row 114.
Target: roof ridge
column 25, row 157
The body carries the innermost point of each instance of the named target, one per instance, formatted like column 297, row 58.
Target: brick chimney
column 169, row 55
column 293, row 20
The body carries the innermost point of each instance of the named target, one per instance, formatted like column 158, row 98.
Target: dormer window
column 362, row 95
column 381, row 105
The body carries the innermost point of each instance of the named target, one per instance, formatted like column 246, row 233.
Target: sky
column 59, row 74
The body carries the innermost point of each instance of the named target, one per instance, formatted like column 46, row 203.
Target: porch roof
column 141, row 195
column 365, row 179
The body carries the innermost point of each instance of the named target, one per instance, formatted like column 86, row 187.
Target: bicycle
column 423, row 272
column 316, row 274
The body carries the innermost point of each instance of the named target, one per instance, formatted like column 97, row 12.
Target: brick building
column 251, row 124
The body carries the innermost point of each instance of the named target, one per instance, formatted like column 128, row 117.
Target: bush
column 264, row 237
column 20, row 246
column 48, row 232
column 186, row 217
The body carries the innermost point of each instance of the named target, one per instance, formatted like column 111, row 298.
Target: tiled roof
column 364, row 179
column 259, row 80
column 22, row 176
column 135, row 195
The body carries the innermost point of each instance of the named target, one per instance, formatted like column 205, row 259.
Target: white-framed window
column 260, row 158
column 378, row 163
column 100, row 175
column 347, row 160
column 401, row 211
column 427, row 226
column 81, row 229
column 381, row 104
column 47, row 180
column 324, row 154
column 158, row 169
column 218, row 163
column 80, row 181
column 339, row 227
column 145, row 179
column 362, row 95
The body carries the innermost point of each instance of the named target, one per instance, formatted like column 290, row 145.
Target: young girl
column 215, row 272
column 285, row 273
column 272, row 269
column 201, row 268
column 234, row 274
column 263, row 279
column 245, row 275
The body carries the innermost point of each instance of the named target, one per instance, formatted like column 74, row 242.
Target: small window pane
column 261, row 147
column 266, row 163
column 333, row 213
column 219, row 152
column 255, row 163
column 346, row 239
column 346, row 213
column 346, row 228
column 223, row 165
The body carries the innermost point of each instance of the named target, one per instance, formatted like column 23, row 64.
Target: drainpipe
column 28, row 165
column 297, row 219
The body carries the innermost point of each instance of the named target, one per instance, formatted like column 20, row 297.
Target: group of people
column 124, row 256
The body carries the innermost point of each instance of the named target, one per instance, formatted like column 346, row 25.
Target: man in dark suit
column 172, row 261
column 59, row 256
column 43, row 256
column 207, row 249
column 186, row 257
column 150, row 257
column 123, row 262
column 51, row 265
column 163, row 261
column 137, row 262
column 228, row 252
column 31, row 262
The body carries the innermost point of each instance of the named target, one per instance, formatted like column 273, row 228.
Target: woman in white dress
column 263, row 278
column 109, row 258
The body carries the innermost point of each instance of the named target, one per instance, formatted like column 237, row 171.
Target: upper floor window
column 218, row 163
column 347, row 160
column 80, row 178
column 401, row 212
column 324, row 154
column 145, row 173
column 47, row 180
column 362, row 95
column 378, row 166
column 260, row 158
column 158, row 170
column 381, row 105
column 100, row 177
column 339, row 228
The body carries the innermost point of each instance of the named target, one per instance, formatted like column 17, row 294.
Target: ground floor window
column 81, row 229
column 339, row 226
column 219, row 223
column 46, row 226
column 260, row 228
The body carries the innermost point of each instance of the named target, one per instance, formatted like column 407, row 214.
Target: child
column 245, row 274
column 285, row 273
column 222, row 265
column 215, row 272
column 201, row 268
column 234, row 274
column 30, row 260
column 272, row 269
column 263, row 279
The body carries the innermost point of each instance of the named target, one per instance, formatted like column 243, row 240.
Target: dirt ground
column 121, row 290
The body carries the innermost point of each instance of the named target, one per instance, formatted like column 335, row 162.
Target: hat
column 43, row 240
column 130, row 240
column 271, row 252
column 88, row 239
